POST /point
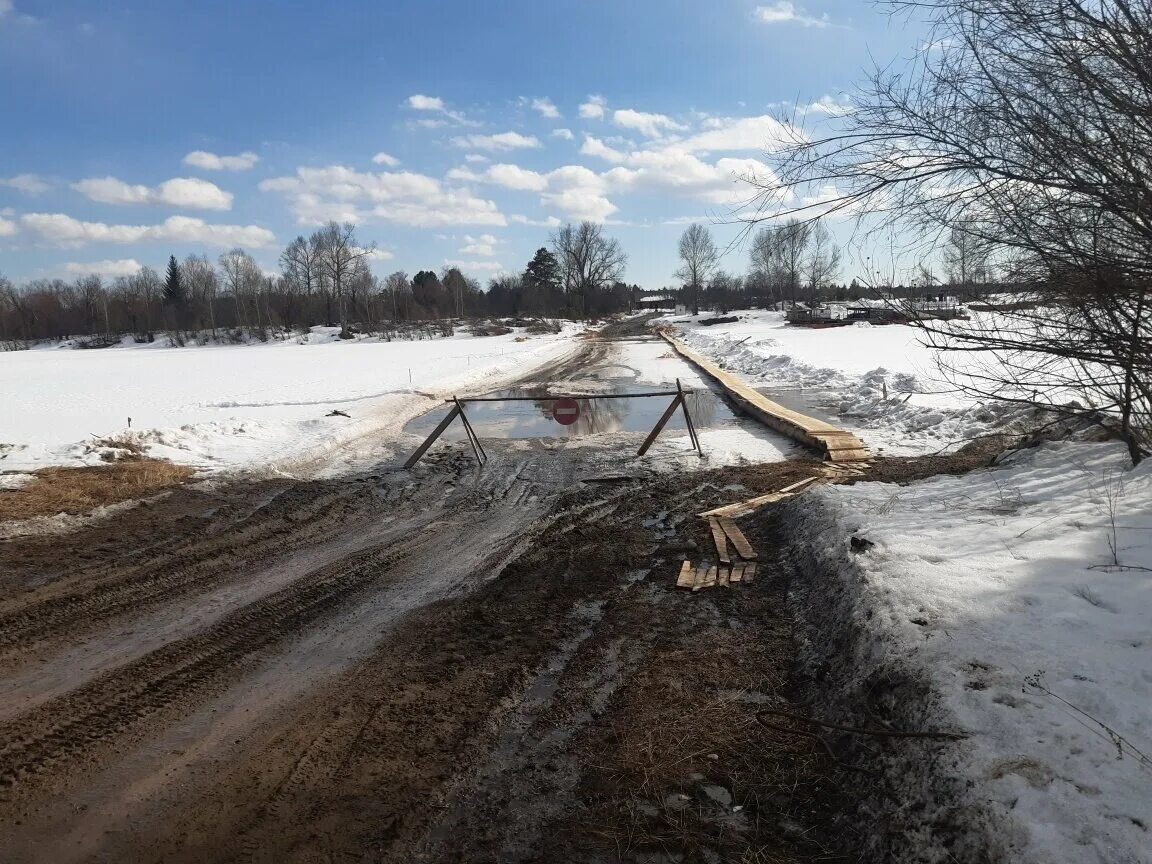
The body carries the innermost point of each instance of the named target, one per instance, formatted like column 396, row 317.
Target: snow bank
column 244, row 406
column 992, row 603
column 880, row 379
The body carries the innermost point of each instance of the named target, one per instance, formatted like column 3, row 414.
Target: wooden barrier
column 836, row 444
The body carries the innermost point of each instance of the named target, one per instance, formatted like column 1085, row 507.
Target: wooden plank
column 710, row 578
column 722, row 578
column 720, row 541
column 687, row 577
column 743, row 508
column 701, row 577
column 743, row 547
column 737, row 573
column 800, row 484
column 749, row 574
column 448, row 418
column 664, row 418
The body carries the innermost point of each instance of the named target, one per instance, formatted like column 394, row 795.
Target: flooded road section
column 627, row 367
column 598, row 416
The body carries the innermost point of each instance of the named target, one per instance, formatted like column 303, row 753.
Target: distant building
column 654, row 302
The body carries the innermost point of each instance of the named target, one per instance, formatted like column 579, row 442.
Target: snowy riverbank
column 881, row 381
column 222, row 408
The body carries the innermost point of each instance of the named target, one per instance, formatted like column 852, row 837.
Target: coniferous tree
column 175, row 294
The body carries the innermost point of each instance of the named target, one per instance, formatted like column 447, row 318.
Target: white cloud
column 549, row 222
column 8, row 228
column 829, row 106
column 546, row 109
column 434, row 104
column 60, row 229
column 108, row 269
column 651, row 125
column 401, row 197
column 465, row 266
column 565, row 134
column 385, row 159
column 502, row 141
column 475, row 157
column 673, row 170
column 578, row 193
column 515, row 177
column 595, row 147
column 419, row 102
column 27, row 184
column 741, row 133
column 211, row 162
column 593, row 109
column 484, row 245
column 786, row 12
column 178, row 192
column 5, row 7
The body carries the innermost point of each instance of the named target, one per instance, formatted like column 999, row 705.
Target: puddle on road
column 514, row 420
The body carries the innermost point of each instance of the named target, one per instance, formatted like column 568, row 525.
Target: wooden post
column 688, row 418
column 473, row 438
column 436, row 433
column 665, row 417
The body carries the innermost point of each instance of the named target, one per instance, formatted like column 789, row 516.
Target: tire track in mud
column 184, row 669
column 290, row 521
column 188, row 669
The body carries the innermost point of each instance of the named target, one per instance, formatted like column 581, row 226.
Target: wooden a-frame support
column 680, row 401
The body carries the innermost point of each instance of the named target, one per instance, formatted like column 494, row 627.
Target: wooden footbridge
column 836, row 444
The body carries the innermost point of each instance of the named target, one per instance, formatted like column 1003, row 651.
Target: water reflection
column 533, row 419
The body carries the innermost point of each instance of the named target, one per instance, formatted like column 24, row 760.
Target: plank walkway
column 836, row 444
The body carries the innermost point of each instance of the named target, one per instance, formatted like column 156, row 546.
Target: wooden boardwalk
column 836, row 444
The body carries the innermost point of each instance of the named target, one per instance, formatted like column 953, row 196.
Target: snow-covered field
column 1001, row 590
column 881, row 379
column 245, row 406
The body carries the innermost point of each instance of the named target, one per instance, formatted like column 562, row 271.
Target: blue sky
column 451, row 132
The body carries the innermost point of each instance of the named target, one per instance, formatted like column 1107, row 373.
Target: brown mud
column 443, row 664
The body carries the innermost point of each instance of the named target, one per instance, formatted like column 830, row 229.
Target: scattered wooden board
column 743, row 547
column 721, row 542
column 687, row 577
column 710, row 578
column 737, row 573
column 743, row 508
column 749, row 574
column 700, row 577
column 722, row 578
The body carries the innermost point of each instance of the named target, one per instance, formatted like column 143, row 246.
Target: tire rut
column 110, row 705
column 290, row 521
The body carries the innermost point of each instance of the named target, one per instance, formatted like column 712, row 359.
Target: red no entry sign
column 565, row 411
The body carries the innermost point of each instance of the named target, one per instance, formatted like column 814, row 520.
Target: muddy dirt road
column 443, row 664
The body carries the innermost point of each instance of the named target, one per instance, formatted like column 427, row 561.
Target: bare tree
column 398, row 289
column 202, row 284
column 243, row 279
column 965, row 258
column 699, row 256
column 588, row 260
column 1025, row 127
column 300, row 264
column 338, row 254
column 822, row 258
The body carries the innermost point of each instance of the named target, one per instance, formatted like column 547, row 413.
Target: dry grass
column 79, row 490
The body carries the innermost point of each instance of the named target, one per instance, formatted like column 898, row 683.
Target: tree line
column 324, row 278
